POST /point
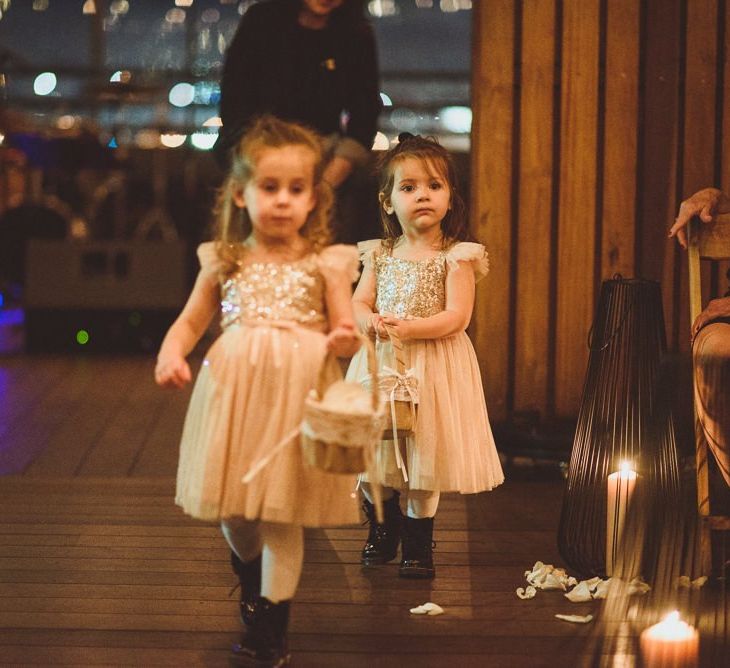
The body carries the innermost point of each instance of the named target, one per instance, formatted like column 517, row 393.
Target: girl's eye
column 436, row 185
column 406, row 188
column 269, row 187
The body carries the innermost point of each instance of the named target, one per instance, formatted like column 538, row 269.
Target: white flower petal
column 576, row 619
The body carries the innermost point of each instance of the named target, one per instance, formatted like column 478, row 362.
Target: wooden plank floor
column 99, row 567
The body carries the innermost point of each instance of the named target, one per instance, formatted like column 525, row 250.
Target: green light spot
column 82, row 337
column 135, row 318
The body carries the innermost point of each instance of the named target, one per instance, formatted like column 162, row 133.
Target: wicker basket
column 401, row 394
column 334, row 437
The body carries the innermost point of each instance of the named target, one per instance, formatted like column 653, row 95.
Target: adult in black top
column 311, row 61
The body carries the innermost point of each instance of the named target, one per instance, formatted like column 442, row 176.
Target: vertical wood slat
column 535, row 194
column 492, row 101
column 724, row 129
column 699, row 127
column 659, row 118
column 576, row 216
column 619, row 180
column 627, row 152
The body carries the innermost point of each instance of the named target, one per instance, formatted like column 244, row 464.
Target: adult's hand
column 337, row 170
column 706, row 204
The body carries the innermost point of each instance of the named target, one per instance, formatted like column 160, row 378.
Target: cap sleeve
column 468, row 251
column 210, row 261
column 339, row 262
column 367, row 250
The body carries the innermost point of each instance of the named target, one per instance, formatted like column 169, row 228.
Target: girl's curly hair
column 233, row 224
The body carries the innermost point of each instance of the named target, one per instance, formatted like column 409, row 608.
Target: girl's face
column 321, row 8
column 420, row 197
column 280, row 193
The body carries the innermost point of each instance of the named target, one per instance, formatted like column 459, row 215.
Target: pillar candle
column 620, row 487
column 671, row 643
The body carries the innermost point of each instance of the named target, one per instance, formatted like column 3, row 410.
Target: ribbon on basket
column 397, row 386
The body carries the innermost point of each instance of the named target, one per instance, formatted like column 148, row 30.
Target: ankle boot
column 383, row 539
column 418, row 547
column 265, row 644
column 249, row 577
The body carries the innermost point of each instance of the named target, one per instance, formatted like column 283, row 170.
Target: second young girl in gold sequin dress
column 419, row 280
column 284, row 300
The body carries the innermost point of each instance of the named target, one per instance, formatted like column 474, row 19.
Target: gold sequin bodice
column 410, row 288
column 270, row 291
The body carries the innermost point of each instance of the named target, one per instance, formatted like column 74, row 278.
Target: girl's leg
column 417, row 558
column 283, row 557
column 281, row 566
column 422, row 503
column 244, row 539
column 381, row 545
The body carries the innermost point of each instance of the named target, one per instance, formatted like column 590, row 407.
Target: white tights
column 422, row 503
column 281, row 547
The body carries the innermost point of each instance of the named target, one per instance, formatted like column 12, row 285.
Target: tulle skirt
column 452, row 449
column 248, row 398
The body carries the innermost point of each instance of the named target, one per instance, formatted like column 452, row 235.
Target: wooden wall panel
column 576, row 217
column 491, row 187
column 536, row 162
column 617, row 114
column 618, row 222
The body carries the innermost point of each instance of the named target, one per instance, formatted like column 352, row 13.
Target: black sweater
column 276, row 66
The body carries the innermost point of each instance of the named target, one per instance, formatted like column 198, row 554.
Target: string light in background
column 45, row 83
column 204, row 141
column 182, row 94
column 172, row 139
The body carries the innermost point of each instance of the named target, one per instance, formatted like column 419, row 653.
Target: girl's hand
column 172, row 372
column 375, row 329
column 402, row 328
column 343, row 341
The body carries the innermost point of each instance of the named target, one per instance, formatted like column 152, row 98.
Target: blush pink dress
column 452, row 448
column 249, row 397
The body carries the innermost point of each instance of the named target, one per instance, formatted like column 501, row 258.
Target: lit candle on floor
column 620, row 488
column 671, row 643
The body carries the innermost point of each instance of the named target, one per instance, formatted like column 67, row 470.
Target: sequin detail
column 410, row 288
column 271, row 291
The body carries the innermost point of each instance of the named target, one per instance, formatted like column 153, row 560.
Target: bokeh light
column 45, row 83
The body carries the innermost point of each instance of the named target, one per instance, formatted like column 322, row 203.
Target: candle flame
column 625, row 466
column 672, row 616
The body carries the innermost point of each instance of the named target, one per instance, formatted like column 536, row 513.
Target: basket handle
column 400, row 355
column 373, row 369
column 322, row 383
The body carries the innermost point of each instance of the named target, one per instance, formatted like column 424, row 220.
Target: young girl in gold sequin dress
column 284, row 300
column 419, row 280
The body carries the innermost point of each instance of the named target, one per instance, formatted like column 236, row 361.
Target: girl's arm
column 363, row 303
column 460, row 289
column 172, row 370
column 342, row 340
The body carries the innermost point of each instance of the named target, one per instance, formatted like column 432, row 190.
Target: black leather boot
column 418, row 547
column 265, row 644
column 249, row 576
column 383, row 539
